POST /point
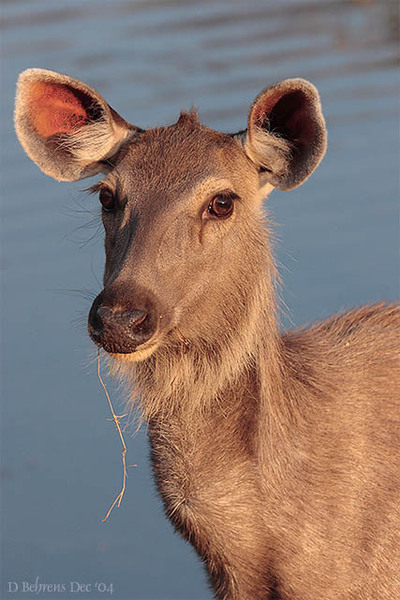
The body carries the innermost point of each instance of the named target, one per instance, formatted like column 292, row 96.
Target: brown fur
column 276, row 455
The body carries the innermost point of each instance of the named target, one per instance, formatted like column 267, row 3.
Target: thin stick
column 116, row 421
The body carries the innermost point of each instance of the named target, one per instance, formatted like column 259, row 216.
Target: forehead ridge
column 187, row 146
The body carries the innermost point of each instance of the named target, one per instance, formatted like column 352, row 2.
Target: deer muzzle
column 120, row 330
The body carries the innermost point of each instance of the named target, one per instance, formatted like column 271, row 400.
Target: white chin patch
column 137, row 356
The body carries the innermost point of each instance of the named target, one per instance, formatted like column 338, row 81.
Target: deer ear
column 286, row 133
column 65, row 126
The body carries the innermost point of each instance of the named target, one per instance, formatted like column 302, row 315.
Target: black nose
column 105, row 317
column 119, row 331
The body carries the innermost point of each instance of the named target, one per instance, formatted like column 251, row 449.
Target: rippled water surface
column 337, row 247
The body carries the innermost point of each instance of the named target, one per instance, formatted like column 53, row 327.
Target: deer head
column 181, row 205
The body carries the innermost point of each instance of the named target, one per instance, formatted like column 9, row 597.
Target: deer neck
column 188, row 378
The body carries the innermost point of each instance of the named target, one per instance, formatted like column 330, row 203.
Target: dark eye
column 107, row 200
column 221, row 206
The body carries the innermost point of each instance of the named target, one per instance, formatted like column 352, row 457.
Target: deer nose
column 119, row 331
column 105, row 317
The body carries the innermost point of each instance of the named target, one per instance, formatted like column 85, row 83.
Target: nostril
column 96, row 321
column 137, row 317
column 101, row 312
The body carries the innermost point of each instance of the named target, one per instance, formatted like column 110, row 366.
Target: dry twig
column 116, row 420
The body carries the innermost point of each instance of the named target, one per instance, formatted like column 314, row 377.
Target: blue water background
column 337, row 247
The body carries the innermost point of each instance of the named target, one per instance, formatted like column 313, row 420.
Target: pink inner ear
column 54, row 108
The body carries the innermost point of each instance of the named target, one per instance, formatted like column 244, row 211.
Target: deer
column 275, row 453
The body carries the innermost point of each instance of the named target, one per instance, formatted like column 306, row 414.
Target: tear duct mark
column 55, row 109
column 117, row 422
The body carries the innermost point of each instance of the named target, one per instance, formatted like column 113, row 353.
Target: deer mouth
column 139, row 355
column 125, row 351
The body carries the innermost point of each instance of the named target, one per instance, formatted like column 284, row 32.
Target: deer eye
column 107, row 200
column 221, row 206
